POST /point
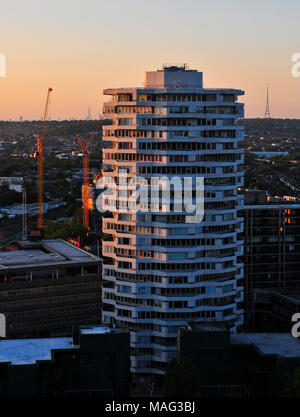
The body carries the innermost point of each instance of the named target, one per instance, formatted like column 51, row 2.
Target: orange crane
column 85, row 183
column 40, row 165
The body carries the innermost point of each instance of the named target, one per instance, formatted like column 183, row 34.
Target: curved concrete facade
column 162, row 271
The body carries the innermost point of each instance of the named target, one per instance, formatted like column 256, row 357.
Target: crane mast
column 40, row 165
column 24, row 213
column 85, row 182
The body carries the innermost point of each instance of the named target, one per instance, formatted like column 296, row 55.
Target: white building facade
column 160, row 269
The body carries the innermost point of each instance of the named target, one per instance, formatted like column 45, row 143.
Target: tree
column 181, row 379
column 63, row 230
column 79, row 214
column 292, row 385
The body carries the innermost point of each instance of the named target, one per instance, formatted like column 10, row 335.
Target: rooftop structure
column 269, row 154
column 47, row 253
column 47, row 286
column 282, row 344
column 173, row 76
column 17, row 209
column 29, row 351
column 207, row 326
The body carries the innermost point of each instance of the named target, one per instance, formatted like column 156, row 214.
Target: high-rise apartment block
column 271, row 261
column 162, row 269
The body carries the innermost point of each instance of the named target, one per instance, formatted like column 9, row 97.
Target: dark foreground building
column 95, row 362
column 46, row 287
column 240, row 364
column 271, row 255
column 274, row 309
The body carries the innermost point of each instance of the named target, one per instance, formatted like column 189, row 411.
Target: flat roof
column 99, row 329
column 206, row 326
column 283, row 344
column 181, row 90
column 94, row 329
column 19, row 257
column 284, row 205
column 28, row 351
column 67, row 250
column 46, row 253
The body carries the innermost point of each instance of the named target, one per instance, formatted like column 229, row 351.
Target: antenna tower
column 267, row 111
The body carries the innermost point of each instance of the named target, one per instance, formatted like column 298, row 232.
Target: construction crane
column 24, row 214
column 40, row 165
column 85, row 182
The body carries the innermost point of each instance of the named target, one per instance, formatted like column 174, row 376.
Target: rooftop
column 175, row 67
column 46, row 253
column 92, row 329
column 259, row 199
column 207, row 326
column 28, row 351
column 283, row 344
column 272, row 205
column 172, row 78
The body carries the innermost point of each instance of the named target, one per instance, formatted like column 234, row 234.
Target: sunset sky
column 80, row 47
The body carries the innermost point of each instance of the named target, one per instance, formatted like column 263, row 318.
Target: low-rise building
column 238, row 364
column 47, row 286
column 14, row 183
column 92, row 363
